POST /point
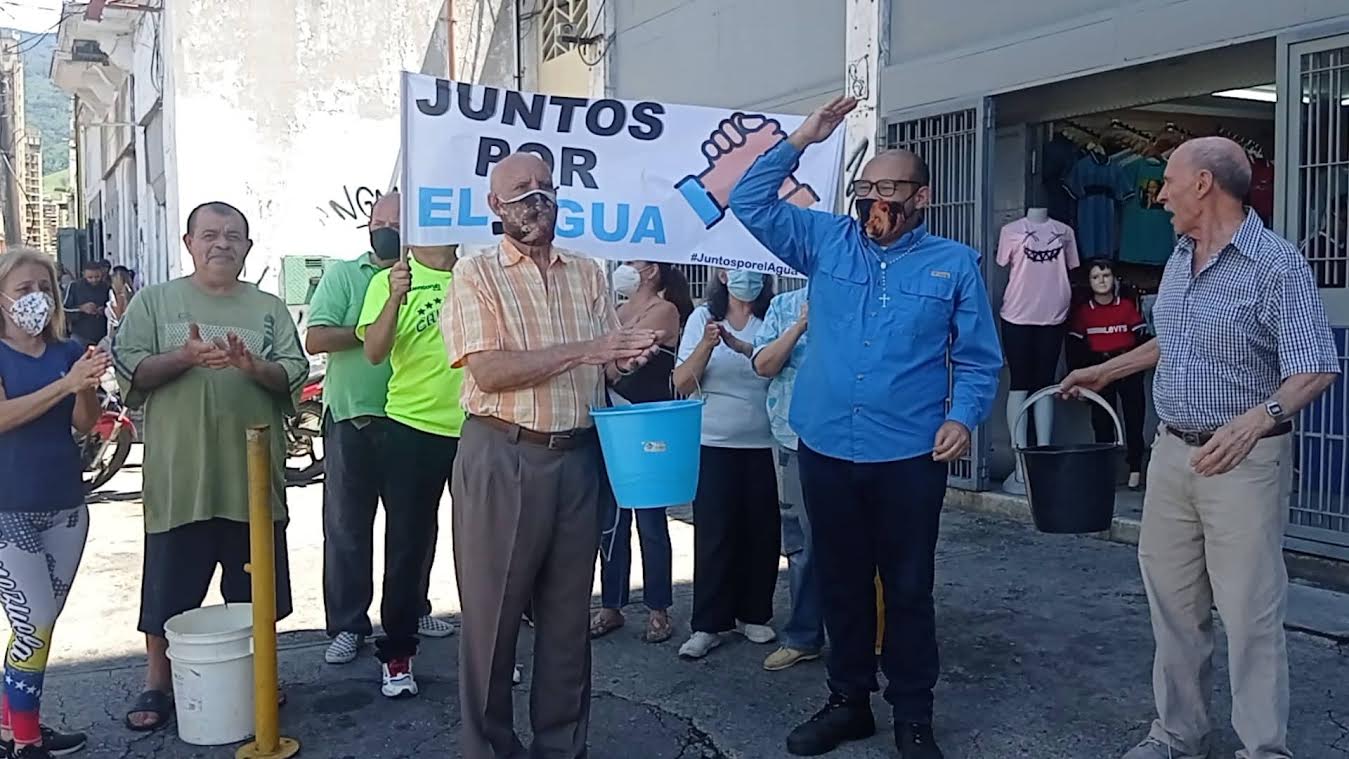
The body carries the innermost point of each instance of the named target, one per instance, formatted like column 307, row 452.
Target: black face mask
column 882, row 218
column 386, row 242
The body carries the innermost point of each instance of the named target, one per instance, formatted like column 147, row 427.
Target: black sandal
column 156, row 702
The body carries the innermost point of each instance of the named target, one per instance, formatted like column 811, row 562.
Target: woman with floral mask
column 735, row 511
column 47, row 386
column 655, row 296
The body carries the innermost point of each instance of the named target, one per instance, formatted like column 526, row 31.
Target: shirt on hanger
column 1099, row 186
column 1060, row 154
column 1040, row 256
column 1146, row 235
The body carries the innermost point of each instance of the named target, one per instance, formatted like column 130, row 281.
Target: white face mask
column 31, row 313
column 626, row 280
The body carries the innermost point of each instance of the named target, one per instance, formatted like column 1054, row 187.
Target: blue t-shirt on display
column 39, row 461
column 1099, row 186
column 1146, row 235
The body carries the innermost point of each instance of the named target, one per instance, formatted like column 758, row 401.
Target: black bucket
column 1071, row 488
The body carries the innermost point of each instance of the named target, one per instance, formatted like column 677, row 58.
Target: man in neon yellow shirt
column 400, row 321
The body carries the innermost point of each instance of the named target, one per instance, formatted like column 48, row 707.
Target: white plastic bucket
column 212, row 653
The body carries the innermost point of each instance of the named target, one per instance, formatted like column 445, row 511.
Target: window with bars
column 556, row 16
column 1322, row 217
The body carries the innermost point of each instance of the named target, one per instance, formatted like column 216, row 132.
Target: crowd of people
column 831, row 414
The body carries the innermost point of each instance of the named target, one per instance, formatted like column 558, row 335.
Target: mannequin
column 1039, row 252
column 1106, row 325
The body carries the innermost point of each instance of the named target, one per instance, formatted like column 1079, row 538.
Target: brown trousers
column 524, row 533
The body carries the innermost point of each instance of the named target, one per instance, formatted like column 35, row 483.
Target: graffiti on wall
column 353, row 205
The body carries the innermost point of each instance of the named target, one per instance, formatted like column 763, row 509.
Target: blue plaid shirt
column 1231, row 334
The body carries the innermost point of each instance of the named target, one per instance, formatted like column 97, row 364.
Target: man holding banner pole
column 882, row 426
column 536, row 331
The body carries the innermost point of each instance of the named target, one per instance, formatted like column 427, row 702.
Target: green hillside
column 46, row 108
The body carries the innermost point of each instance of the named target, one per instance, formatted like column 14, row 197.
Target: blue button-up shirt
column 783, row 312
column 875, row 386
column 1231, row 334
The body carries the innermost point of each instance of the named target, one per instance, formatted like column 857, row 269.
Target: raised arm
column 787, row 231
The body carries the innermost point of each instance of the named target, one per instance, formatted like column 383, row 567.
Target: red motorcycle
column 304, row 433
column 105, row 448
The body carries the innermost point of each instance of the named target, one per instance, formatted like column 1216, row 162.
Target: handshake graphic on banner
column 730, row 150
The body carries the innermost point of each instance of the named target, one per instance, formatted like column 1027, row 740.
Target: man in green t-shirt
column 208, row 356
column 400, row 321
column 354, row 476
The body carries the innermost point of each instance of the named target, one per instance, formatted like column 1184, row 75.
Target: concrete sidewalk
column 1046, row 653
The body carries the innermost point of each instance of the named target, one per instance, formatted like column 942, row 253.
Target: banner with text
column 636, row 180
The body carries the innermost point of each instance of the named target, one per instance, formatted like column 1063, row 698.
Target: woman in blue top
column 47, row 386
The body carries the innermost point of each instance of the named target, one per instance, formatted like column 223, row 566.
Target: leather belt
column 553, row 441
column 1198, row 438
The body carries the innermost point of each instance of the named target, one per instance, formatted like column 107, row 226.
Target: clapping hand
column 240, row 357
column 733, row 342
column 204, row 353
column 87, row 372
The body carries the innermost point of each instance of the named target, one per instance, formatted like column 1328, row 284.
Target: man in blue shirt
column 779, row 350
column 901, row 305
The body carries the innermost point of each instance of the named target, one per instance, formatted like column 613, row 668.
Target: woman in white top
column 735, row 511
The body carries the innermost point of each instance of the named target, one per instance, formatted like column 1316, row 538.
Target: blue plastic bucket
column 651, row 451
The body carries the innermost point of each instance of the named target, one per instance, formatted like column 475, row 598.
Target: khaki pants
column 1218, row 540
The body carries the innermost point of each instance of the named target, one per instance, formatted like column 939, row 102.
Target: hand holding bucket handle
column 1083, row 392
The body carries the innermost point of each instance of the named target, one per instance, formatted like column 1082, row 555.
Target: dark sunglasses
column 884, row 187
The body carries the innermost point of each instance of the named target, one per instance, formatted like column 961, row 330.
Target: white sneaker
column 398, row 680
column 433, row 627
column 698, row 644
column 344, row 648
column 515, row 678
column 756, row 633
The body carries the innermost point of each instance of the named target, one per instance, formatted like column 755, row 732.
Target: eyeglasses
column 884, row 187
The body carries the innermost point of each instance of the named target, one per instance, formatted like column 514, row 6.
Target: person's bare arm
column 501, row 371
column 380, row 334
column 82, row 378
column 330, row 339
column 690, row 370
column 663, row 319
column 1231, row 444
column 770, row 360
column 87, row 410
column 16, row 412
column 1097, row 377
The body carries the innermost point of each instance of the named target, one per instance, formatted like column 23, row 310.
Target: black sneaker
column 62, row 744
column 841, row 720
column 32, row 752
column 914, row 741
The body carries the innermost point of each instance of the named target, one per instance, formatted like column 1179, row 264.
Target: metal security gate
column 1313, row 148
column 956, row 145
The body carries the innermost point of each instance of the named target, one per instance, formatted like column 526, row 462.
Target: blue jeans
column 653, row 532
column 804, row 630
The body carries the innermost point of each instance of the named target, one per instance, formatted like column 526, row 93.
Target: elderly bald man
column 1242, row 346
column 876, row 433
column 535, row 329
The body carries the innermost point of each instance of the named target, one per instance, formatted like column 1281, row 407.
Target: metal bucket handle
column 674, row 393
column 1085, row 393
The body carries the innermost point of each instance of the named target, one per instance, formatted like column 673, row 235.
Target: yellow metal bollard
column 267, row 741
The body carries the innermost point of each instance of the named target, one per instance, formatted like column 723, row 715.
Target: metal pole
column 449, row 38
column 267, row 742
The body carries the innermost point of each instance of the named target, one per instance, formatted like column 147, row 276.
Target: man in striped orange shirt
column 536, row 331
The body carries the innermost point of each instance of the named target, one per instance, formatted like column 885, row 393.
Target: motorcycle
column 105, row 448
column 304, row 433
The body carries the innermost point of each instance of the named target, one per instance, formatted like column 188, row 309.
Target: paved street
column 1046, row 653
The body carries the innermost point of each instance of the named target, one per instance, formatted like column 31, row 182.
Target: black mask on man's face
column 386, row 242
column 883, row 218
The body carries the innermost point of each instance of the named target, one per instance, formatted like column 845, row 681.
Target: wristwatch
column 1275, row 410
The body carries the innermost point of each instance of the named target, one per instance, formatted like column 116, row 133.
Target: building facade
column 990, row 92
column 294, row 121
column 13, row 146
